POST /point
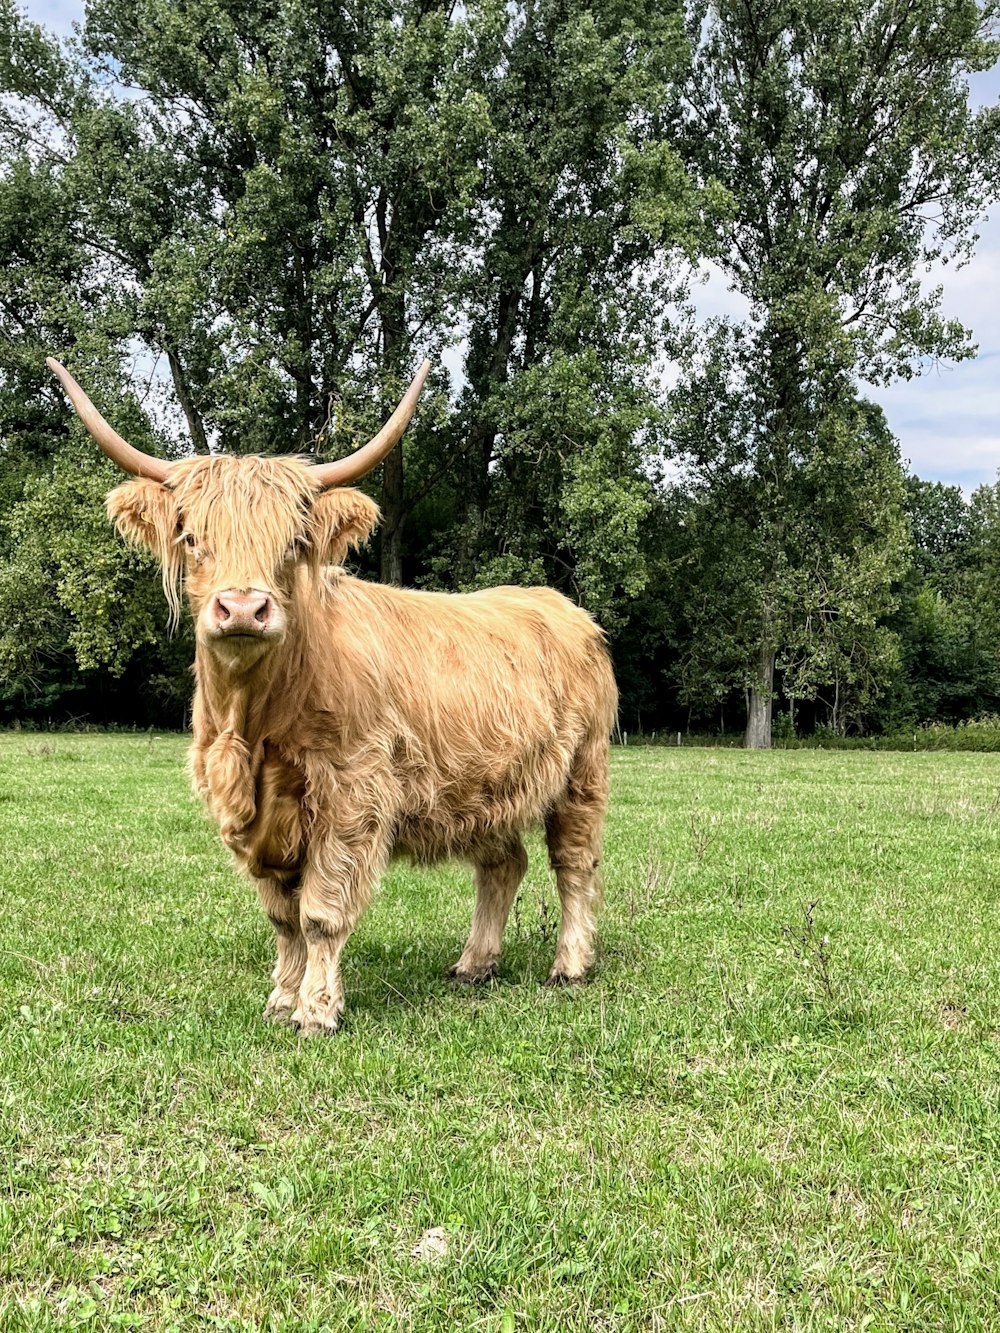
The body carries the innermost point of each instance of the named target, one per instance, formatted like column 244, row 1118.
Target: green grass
column 713, row 1135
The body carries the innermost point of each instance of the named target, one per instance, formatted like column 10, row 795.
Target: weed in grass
column 521, row 932
column 737, row 887
column 653, row 880
column 546, row 924
column 653, row 889
column 811, row 949
column 703, row 833
column 547, row 921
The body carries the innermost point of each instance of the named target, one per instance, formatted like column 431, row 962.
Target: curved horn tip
column 65, row 377
column 344, row 471
column 130, row 460
column 57, row 368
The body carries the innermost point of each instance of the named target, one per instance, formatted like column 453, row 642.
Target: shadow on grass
column 407, row 974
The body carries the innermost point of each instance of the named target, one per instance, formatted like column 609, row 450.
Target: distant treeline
column 243, row 227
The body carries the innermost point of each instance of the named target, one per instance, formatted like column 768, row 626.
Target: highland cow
column 338, row 723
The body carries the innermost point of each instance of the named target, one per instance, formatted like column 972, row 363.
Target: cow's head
column 242, row 535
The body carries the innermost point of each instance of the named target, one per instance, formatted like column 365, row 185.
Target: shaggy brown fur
column 375, row 721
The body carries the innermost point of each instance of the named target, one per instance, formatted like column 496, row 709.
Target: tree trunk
column 758, row 733
column 391, row 569
column 392, row 309
column 487, row 371
column 835, row 722
column 306, row 407
column 181, row 388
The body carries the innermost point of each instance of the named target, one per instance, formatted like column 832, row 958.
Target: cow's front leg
column 336, row 889
column 282, row 907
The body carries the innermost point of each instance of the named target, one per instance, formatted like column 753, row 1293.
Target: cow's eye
column 189, row 537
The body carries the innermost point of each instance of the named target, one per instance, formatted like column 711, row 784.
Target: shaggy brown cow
column 337, row 722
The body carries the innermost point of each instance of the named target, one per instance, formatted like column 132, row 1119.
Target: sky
column 947, row 420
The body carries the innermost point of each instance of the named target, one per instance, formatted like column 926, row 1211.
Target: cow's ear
column 145, row 512
column 340, row 519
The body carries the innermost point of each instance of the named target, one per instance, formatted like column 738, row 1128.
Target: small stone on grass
column 431, row 1247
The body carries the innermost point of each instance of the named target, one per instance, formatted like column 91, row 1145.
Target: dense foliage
column 242, row 226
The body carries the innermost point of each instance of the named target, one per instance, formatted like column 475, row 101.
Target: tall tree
column 557, row 419
column 808, row 545
column 72, row 601
column 843, row 135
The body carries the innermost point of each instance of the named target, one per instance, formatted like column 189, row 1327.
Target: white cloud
column 947, row 419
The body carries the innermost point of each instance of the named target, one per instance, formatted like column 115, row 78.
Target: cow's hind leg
column 282, row 907
column 574, row 831
column 496, row 884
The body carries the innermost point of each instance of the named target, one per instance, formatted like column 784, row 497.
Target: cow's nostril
column 243, row 612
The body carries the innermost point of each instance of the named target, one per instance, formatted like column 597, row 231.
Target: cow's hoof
column 317, row 1024
column 280, row 1007
column 318, row 1029
column 564, row 979
column 476, row 976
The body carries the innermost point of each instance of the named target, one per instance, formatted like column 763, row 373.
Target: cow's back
column 476, row 705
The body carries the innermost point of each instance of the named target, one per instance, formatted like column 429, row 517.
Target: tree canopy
column 243, row 226
column 844, row 138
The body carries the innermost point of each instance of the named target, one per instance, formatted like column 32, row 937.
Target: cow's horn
column 117, row 449
column 343, row 471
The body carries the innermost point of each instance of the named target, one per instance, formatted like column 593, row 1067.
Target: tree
column 563, row 292
column 947, row 621
column 942, row 528
column 843, row 135
column 807, row 546
column 74, row 604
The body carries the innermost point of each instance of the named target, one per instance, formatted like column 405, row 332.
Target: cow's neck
column 252, row 705
column 239, row 714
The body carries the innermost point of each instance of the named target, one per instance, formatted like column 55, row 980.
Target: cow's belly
column 479, row 819
column 427, row 841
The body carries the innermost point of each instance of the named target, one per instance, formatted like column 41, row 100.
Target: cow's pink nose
column 242, row 612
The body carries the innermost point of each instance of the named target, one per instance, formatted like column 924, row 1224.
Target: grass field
column 749, row 1120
